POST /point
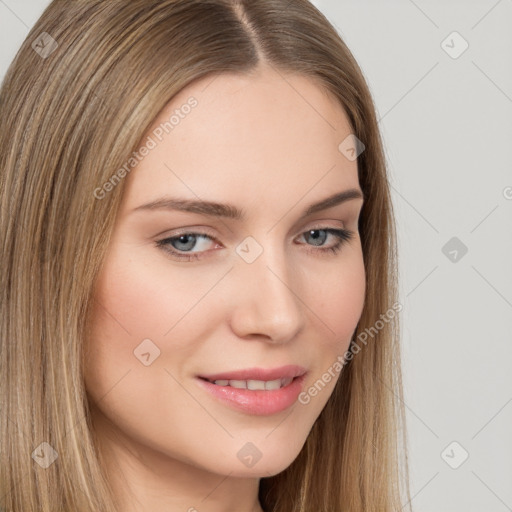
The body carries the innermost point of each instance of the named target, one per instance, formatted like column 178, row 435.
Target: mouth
column 256, row 391
column 253, row 385
column 257, row 374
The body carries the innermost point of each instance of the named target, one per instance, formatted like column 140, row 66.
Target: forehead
column 265, row 134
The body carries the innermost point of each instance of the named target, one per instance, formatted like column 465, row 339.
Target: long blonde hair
column 82, row 91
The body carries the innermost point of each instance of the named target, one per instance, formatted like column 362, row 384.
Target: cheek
column 137, row 298
column 339, row 304
column 128, row 307
column 340, row 300
column 134, row 302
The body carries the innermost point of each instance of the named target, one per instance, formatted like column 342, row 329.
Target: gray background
column 446, row 120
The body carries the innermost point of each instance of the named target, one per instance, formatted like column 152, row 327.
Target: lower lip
column 259, row 401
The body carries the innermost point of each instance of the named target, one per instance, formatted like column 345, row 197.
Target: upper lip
column 265, row 374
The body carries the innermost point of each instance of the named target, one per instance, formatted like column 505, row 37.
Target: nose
column 267, row 301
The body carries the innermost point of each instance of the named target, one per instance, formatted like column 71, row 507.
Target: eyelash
column 343, row 236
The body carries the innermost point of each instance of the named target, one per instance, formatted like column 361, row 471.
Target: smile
column 267, row 392
column 268, row 385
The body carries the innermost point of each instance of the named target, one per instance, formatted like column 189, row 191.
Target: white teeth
column 255, row 384
column 273, row 384
column 286, row 381
column 240, row 384
column 268, row 385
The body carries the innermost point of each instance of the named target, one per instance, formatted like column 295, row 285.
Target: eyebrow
column 229, row 211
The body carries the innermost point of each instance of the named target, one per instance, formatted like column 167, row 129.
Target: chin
column 265, row 461
column 261, row 470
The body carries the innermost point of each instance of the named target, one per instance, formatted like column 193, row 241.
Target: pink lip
column 258, row 373
column 259, row 402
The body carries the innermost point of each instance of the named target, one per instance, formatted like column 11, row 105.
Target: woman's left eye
column 189, row 241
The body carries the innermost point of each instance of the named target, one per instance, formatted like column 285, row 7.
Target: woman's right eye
column 187, row 241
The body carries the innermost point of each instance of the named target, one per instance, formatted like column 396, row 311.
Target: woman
column 198, row 296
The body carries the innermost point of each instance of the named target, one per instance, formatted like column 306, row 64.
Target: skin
column 268, row 144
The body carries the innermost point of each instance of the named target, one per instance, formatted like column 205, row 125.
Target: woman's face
column 265, row 293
